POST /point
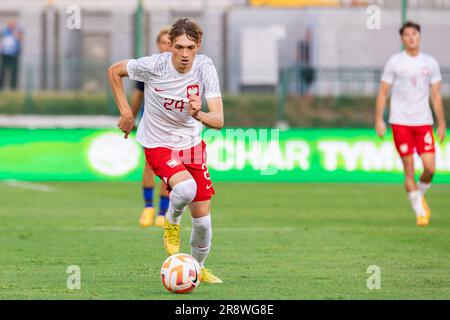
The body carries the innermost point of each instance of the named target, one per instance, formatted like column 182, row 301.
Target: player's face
column 164, row 43
column 411, row 39
column 183, row 52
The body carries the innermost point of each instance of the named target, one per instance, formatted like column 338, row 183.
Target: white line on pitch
column 225, row 229
column 134, row 229
column 29, row 186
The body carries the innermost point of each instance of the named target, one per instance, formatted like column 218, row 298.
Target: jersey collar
column 411, row 57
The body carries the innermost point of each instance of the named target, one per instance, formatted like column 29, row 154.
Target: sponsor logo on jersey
column 173, row 163
column 414, row 81
column 193, row 90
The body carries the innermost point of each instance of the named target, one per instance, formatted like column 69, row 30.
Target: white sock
column 423, row 187
column 181, row 195
column 201, row 238
column 173, row 215
column 415, row 197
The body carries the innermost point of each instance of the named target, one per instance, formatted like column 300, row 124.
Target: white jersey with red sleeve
column 411, row 78
column 166, row 121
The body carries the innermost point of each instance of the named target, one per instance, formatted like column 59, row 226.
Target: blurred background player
column 10, row 47
column 411, row 73
column 170, row 130
column 148, row 177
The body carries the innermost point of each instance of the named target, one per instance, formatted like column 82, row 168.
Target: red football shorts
column 166, row 162
column 409, row 139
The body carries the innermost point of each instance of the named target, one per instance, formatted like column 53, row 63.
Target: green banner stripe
column 234, row 154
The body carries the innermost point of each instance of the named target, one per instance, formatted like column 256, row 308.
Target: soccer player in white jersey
column 148, row 177
column 170, row 130
column 411, row 73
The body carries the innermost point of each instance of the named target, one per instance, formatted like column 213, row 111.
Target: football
column 180, row 273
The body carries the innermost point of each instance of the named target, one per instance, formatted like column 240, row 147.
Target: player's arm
column 115, row 74
column 214, row 117
column 383, row 93
column 438, row 106
column 136, row 102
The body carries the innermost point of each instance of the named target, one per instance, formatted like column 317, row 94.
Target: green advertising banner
column 234, row 154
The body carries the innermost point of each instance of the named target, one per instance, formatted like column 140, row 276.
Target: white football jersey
column 166, row 121
column 411, row 78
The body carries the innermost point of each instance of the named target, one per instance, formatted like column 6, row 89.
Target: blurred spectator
column 307, row 70
column 10, row 51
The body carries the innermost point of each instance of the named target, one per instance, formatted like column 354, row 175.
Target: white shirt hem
column 162, row 145
column 411, row 124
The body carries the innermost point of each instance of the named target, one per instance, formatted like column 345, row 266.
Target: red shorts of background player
column 409, row 139
column 166, row 162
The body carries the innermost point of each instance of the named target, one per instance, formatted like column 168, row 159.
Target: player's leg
column 405, row 143
column 424, row 139
column 414, row 195
column 166, row 164
column 201, row 212
column 183, row 190
column 425, row 147
column 2, row 69
column 408, row 168
column 429, row 163
column 201, row 230
column 148, row 185
column 201, row 236
column 163, row 205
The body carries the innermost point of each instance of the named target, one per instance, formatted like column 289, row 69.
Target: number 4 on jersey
column 179, row 105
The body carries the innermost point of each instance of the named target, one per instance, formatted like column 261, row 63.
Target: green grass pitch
column 270, row 241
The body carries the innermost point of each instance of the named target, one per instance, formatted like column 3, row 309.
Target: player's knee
column 203, row 224
column 183, row 192
column 429, row 171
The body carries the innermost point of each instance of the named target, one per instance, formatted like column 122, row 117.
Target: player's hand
column 380, row 128
column 126, row 124
column 441, row 132
column 195, row 105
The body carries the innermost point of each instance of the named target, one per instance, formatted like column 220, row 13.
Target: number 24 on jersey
column 173, row 105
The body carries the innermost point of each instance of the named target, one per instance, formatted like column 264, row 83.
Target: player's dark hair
column 409, row 24
column 188, row 27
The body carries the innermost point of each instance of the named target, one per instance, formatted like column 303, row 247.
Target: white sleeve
column 389, row 72
column 210, row 79
column 435, row 73
column 142, row 69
